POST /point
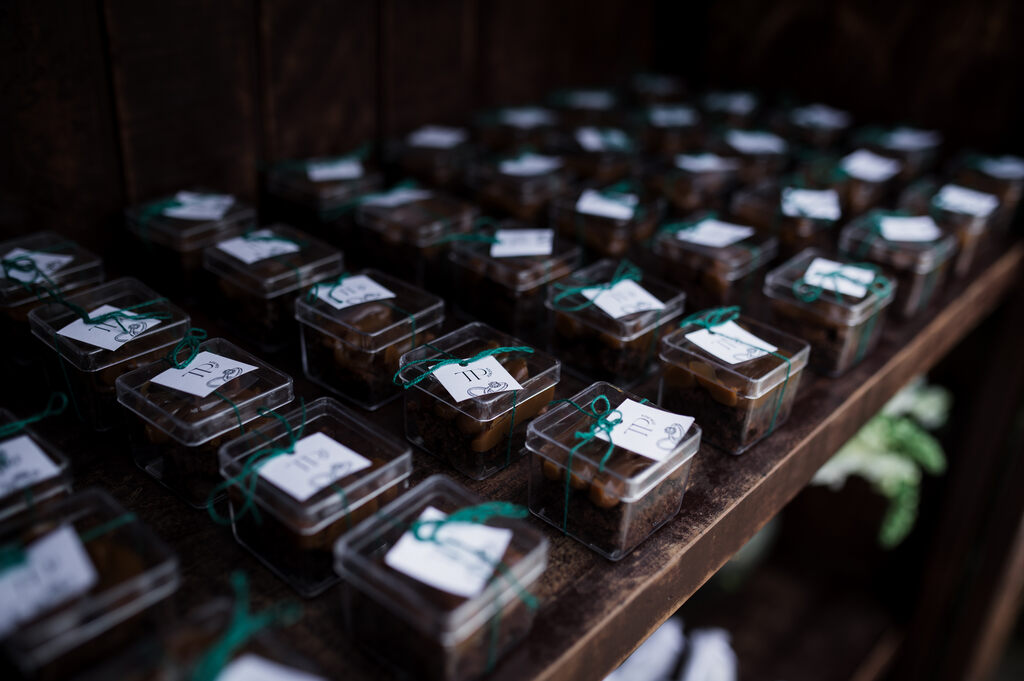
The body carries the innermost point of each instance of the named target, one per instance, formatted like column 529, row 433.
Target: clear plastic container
column 509, row 291
column 600, row 346
column 608, row 221
column 656, row 88
column 422, row 630
column 917, row 149
column 735, row 109
column 172, row 231
column 1002, row 176
column 481, row 435
column 587, row 106
column 177, row 434
column 521, row 186
column 842, row 328
column 33, row 473
column 611, row 508
column 816, row 125
column 767, row 207
column 715, row 275
column 918, row 266
column 699, row 181
column 436, row 155
column 354, row 351
column 737, row 404
column 599, row 154
column 762, row 155
column 259, row 275
column 88, row 372
column 512, row 129
column 326, row 490
column 85, row 620
column 863, row 178
column 670, row 129
column 411, row 239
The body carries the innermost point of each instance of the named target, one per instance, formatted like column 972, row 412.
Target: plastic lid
column 291, row 180
column 634, row 475
column 146, row 572
column 625, row 328
column 752, row 378
column 15, row 497
column 359, row 559
column 51, row 251
column 375, row 324
column 48, row 320
column 148, row 222
column 517, row 273
column 863, row 239
column 391, row 463
column 731, row 262
column 543, row 369
column 421, row 222
column 635, row 204
column 278, row 274
column 193, row 420
column 836, row 307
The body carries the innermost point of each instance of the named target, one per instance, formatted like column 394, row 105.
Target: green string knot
column 806, row 292
column 397, row 379
column 625, row 270
column 189, row 342
column 56, row 405
column 427, row 530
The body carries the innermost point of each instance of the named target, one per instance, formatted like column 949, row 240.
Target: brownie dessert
column 606, row 236
column 689, row 192
column 835, row 346
column 525, row 197
column 603, row 355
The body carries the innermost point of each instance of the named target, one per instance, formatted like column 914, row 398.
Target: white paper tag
column 437, row 137
column 56, row 569
column 957, row 199
column 47, row 263
column 819, row 271
column 617, row 207
column 594, row 100
column 735, row 103
column 460, row 560
column 914, row 228
column 108, row 335
column 396, row 197
column 1003, row 167
column 730, row 343
column 528, row 165
column 817, row 204
column 483, row 377
column 820, row 116
column 253, row 248
column 869, row 166
column 714, row 233
column 205, row 373
column 23, row 464
column 911, row 139
column 514, row 243
column 318, row 460
column 705, row 163
column 196, row 206
column 601, row 139
column 647, row 431
column 672, row 115
column 249, row 667
column 625, row 298
column 337, row 169
column 526, row 117
column 353, row 290
column 755, row 142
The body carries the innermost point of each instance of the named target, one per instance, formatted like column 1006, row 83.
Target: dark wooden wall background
column 106, row 102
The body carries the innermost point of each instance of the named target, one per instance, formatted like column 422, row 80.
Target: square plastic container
column 598, row 345
column 863, row 178
column 177, row 434
column 513, row 128
column 817, row 125
column 916, row 148
column 699, row 181
column 423, row 631
column 587, row 106
column 521, row 186
column 292, row 530
column 410, row 238
column 735, row 109
column 608, row 221
column 737, row 404
column 84, row 620
column 999, row 175
column 762, row 155
column 258, row 281
column 919, row 267
column 671, row 128
column 481, row 435
column 599, row 154
column 172, row 247
column 88, row 372
column 354, row 351
column 33, row 473
column 714, row 275
column 656, row 88
column 841, row 328
column 436, row 155
column 610, row 509
column 765, row 206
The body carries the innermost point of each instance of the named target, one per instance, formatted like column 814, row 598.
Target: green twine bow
column 479, row 224
column 625, row 270
column 56, row 405
column 808, row 293
column 242, row 627
column 190, row 342
column 314, row 293
column 397, row 379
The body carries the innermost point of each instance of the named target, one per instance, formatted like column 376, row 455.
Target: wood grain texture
column 184, row 76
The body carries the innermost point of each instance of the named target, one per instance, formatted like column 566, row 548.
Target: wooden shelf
column 594, row 612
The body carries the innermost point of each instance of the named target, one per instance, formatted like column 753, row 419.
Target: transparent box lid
column 294, row 181
column 634, row 474
column 863, row 238
column 24, row 492
column 146, row 573
column 731, row 262
column 422, row 222
column 543, row 371
column 47, row 320
column 516, row 273
column 375, row 324
column 647, row 206
column 525, row 177
column 837, row 307
column 625, row 328
column 359, row 559
column 193, row 420
column 279, row 274
column 390, row 457
column 83, row 269
column 149, row 223
column 751, row 378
